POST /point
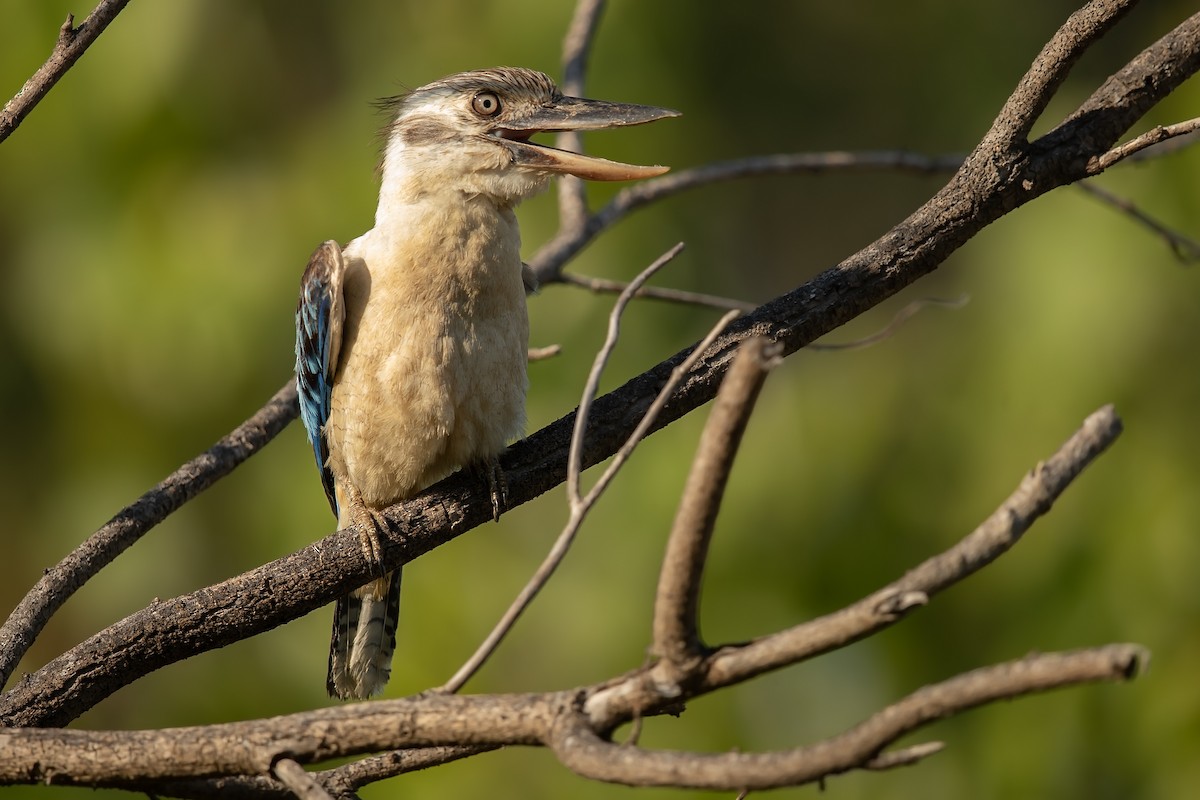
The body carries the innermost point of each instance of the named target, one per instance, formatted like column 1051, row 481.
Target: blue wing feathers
column 319, row 315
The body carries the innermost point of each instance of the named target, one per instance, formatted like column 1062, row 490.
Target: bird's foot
column 371, row 527
column 491, row 472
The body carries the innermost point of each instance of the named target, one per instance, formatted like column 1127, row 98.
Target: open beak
column 578, row 114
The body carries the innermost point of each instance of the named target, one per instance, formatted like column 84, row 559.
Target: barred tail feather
column 364, row 639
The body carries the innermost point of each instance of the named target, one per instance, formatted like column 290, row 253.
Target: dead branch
column 578, row 504
column 575, row 724
column 1185, row 248
column 78, row 757
column 61, row 581
column 577, row 46
column 677, row 603
column 589, row 754
column 72, row 43
column 1002, row 174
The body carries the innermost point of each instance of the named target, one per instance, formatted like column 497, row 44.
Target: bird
column 412, row 339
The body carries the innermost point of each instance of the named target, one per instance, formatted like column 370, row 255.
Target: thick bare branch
column 1050, row 69
column 579, row 748
column 132, row 522
column 108, row 758
column 677, row 603
column 990, row 184
column 72, row 43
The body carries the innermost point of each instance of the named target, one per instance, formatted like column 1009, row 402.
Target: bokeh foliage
column 157, row 210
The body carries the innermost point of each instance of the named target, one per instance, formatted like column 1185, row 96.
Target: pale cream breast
column 432, row 371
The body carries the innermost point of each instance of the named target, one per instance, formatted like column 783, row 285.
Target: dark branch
column 135, row 520
column 992, row 182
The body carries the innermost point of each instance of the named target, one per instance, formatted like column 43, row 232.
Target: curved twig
column 581, row 749
column 575, row 723
column 991, row 183
column 547, row 264
column 677, row 601
column 579, row 504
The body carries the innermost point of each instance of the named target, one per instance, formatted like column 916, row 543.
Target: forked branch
column 1001, row 175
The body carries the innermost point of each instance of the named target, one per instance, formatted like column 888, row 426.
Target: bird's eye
column 486, row 104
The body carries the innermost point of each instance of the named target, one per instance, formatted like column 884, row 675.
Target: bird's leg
column 490, row 471
column 370, row 527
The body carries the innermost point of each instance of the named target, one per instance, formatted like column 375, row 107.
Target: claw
column 497, row 485
column 371, row 526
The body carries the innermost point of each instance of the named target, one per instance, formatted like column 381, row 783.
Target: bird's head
column 471, row 132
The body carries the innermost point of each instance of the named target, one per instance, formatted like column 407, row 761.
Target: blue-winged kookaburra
column 411, row 340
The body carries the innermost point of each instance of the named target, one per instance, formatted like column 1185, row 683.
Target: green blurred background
column 157, row 210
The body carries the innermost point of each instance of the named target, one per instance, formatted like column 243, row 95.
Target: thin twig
column 677, row 601
column 1156, row 135
column 901, row 316
column 605, row 286
column 591, row 386
column 341, row 781
column 905, row 756
column 350, row 777
column 71, row 44
column 547, row 264
column 1185, row 248
column 579, row 506
column 577, row 47
column 543, row 353
column 61, row 581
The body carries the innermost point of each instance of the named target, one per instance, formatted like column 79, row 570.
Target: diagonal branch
column 135, row 520
column 886, row 606
column 575, row 723
column 992, row 538
column 1081, row 30
column 72, row 43
column 579, row 504
column 1185, row 248
column 989, row 185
